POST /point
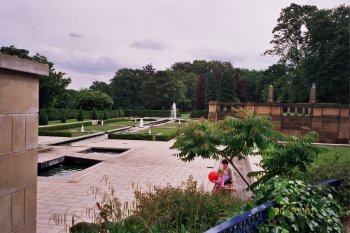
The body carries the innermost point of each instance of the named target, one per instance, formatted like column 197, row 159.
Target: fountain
column 173, row 112
column 149, row 131
column 101, row 122
column 82, row 129
column 141, row 122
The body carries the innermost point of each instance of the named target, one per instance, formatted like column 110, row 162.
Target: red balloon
column 213, row 176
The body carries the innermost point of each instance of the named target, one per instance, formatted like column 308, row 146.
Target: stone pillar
column 313, row 94
column 270, row 97
column 213, row 111
column 19, row 104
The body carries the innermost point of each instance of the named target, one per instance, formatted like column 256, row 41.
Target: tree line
column 312, row 43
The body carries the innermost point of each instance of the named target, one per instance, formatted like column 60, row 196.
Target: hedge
column 55, row 113
column 199, row 113
column 113, row 120
column 150, row 113
column 55, row 133
column 64, row 126
column 141, row 137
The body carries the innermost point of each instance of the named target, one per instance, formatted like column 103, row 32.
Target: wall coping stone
column 22, row 65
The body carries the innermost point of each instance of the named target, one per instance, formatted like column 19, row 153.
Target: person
column 227, row 172
column 219, row 183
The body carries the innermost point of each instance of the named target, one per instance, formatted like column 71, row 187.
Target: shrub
column 301, row 208
column 105, row 115
column 150, row 113
column 199, row 113
column 63, row 117
column 186, row 208
column 135, row 136
column 65, row 126
column 55, row 114
column 80, row 116
column 112, row 120
column 43, row 118
column 94, row 114
column 55, row 133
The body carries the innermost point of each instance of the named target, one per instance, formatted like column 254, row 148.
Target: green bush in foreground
column 186, row 208
column 300, row 208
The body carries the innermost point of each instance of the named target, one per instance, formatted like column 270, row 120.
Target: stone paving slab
column 147, row 163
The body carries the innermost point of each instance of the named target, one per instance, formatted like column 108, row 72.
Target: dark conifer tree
column 200, row 93
column 227, row 88
column 210, row 88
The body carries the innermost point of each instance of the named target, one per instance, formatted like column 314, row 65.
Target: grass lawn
column 155, row 131
column 68, row 121
column 186, row 115
column 338, row 153
column 124, row 123
column 106, row 127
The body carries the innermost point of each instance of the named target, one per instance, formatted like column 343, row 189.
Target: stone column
column 213, row 111
column 313, row 94
column 270, row 97
column 19, row 105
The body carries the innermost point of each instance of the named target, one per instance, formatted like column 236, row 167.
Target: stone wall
column 331, row 122
column 19, row 105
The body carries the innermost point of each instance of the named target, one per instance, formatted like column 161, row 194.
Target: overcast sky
column 90, row 40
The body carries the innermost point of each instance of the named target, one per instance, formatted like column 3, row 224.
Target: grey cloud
column 220, row 54
column 92, row 66
column 149, row 44
column 75, row 35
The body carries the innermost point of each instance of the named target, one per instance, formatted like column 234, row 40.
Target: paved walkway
column 146, row 164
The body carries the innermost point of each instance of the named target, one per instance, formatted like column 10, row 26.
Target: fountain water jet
column 141, row 122
column 173, row 112
column 82, row 129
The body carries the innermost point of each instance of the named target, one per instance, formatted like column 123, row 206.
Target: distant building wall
column 331, row 122
column 19, row 104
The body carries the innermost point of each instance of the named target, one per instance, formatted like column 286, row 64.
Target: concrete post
column 313, row 94
column 270, row 97
column 19, row 105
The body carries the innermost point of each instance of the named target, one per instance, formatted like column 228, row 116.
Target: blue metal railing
column 249, row 221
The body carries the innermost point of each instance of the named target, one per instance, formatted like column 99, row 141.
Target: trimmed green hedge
column 55, row 133
column 150, row 113
column 113, row 120
column 65, row 126
column 199, row 113
column 141, row 137
column 55, row 113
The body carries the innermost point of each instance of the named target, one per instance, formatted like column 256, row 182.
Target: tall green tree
column 126, row 88
column 89, row 100
column 210, row 90
column 100, row 86
column 200, row 105
column 289, row 36
column 227, row 88
column 327, row 61
column 230, row 138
